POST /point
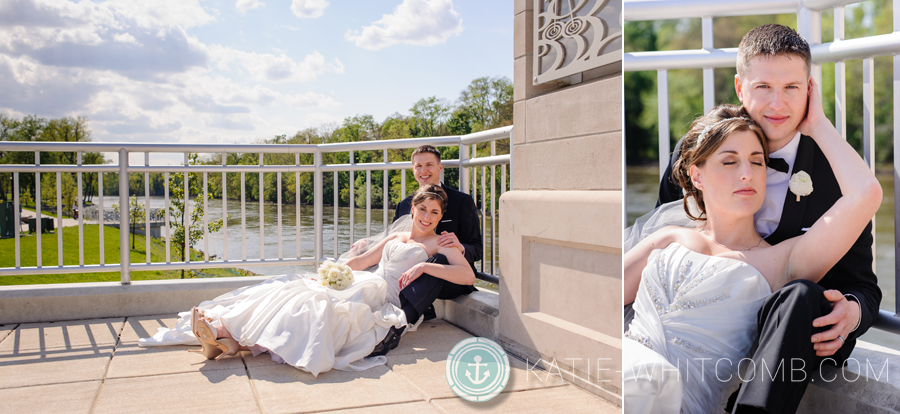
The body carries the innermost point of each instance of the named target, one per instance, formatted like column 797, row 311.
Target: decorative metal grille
column 573, row 36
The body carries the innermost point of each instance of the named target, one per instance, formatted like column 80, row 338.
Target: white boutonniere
column 800, row 184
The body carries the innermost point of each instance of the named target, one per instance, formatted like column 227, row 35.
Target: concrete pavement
column 95, row 366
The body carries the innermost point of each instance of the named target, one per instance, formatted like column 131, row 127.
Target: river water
column 641, row 193
column 288, row 231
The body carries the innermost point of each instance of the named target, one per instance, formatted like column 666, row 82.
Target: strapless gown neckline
column 691, row 311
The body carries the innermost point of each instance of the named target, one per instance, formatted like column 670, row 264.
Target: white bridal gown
column 695, row 319
column 309, row 326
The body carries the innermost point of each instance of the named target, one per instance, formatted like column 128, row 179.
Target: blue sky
column 224, row 71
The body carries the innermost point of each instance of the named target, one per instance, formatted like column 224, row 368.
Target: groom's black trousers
column 783, row 358
column 416, row 297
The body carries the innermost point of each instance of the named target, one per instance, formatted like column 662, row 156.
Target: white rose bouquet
column 335, row 275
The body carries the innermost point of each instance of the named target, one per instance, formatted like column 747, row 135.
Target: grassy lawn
column 91, row 256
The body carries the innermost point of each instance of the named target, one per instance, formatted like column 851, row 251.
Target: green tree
column 67, row 188
column 188, row 225
column 489, row 102
column 428, row 117
column 136, row 215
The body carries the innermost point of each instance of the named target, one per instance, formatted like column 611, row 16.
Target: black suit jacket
column 853, row 273
column 461, row 218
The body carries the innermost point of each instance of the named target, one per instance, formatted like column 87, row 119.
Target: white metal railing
column 809, row 26
column 467, row 163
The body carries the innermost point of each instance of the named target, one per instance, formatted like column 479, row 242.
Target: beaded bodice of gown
column 699, row 312
column 396, row 258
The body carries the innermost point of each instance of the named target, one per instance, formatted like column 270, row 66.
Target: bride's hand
column 359, row 244
column 410, row 275
column 815, row 113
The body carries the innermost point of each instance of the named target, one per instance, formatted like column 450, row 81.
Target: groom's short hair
column 427, row 149
column 772, row 40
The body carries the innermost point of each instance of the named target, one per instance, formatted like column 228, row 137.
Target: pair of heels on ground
column 212, row 347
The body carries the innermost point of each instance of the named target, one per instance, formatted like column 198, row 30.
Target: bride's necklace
column 703, row 232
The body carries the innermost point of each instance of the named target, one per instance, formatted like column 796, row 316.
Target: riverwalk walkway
column 96, row 366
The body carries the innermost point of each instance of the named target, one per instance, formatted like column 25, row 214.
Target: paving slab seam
column 610, row 403
column 250, row 381
column 331, row 410
column 10, row 331
column 437, row 407
column 46, row 384
column 111, row 356
column 414, row 386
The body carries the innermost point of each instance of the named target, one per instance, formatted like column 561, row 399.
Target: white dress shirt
column 769, row 215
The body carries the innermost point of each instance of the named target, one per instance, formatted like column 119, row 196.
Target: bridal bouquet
column 335, row 275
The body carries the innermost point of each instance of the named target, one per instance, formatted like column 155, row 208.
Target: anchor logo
column 487, row 374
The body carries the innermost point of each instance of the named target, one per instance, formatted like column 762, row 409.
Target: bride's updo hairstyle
column 431, row 192
column 707, row 133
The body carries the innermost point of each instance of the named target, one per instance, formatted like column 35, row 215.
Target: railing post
column 709, row 84
column 463, row 171
column 124, row 251
column 317, row 195
column 38, row 210
column 869, row 125
column 809, row 26
column 385, row 193
column 840, row 78
column 80, row 202
column 185, row 221
column 662, row 97
column 352, row 182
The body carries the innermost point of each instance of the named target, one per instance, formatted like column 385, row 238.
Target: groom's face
column 427, row 169
column 774, row 91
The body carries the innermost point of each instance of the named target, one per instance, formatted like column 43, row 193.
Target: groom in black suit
column 458, row 228
column 803, row 325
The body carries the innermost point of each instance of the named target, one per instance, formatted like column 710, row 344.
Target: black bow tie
column 778, row 164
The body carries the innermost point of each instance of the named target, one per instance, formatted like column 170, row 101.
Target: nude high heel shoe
column 212, row 348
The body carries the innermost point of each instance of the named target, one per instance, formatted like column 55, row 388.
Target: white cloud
column 309, row 9
column 135, row 42
column 274, row 68
column 246, row 5
column 415, row 22
column 165, row 13
column 125, row 38
column 137, row 75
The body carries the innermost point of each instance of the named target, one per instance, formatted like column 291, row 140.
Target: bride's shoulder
column 674, row 234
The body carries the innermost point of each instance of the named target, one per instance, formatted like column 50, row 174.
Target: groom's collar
column 788, row 152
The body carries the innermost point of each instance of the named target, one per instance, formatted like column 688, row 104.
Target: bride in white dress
column 696, row 291
column 317, row 328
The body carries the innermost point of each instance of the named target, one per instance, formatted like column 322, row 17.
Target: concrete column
column 561, row 225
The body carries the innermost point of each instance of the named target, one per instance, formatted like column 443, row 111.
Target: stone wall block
column 589, row 108
column 523, row 34
column 522, row 82
column 520, row 134
column 523, row 5
column 585, row 163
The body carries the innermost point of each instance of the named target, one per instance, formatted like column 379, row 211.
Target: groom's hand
column 842, row 319
column 450, row 240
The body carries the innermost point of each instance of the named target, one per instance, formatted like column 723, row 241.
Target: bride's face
column 426, row 215
column 733, row 178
